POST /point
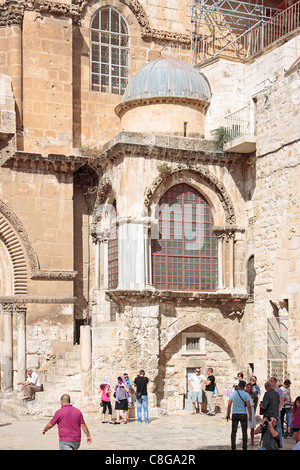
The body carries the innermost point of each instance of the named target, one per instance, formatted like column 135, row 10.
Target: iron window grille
column 184, row 249
column 109, row 52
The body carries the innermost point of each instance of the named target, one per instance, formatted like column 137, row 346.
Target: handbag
column 216, row 391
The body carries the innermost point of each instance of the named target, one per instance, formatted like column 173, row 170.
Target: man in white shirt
column 31, row 386
column 196, row 383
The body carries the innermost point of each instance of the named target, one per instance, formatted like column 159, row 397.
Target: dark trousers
column 236, row 419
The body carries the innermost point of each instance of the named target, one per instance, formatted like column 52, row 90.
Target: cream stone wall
column 177, row 120
column 47, row 83
column 52, row 123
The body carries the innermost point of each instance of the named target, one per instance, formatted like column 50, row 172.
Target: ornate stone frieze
column 19, row 302
column 54, row 8
column 212, row 180
column 232, row 302
column 56, row 163
column 11, row 14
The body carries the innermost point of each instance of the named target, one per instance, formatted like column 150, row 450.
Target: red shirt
column 69, row 420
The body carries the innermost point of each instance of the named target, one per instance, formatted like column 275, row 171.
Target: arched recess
column 16, row 254
column 204, row 181
column 175, row 361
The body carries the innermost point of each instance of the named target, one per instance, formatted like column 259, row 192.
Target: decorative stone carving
column 216, row 185
column 104, row 189
column 14, row 227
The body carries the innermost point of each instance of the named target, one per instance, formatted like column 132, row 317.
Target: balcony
column 240, row 131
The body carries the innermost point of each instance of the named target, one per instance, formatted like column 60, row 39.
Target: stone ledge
column 221, row 297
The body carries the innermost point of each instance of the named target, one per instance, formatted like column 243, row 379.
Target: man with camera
column 268, row 429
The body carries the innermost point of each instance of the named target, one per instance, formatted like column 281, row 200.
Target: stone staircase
column 62, row 376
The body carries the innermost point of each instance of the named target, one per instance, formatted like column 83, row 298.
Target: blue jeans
column 143, row 401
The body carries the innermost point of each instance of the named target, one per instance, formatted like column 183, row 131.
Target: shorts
column 197, row 396
column 296, row 429
column 69, row 445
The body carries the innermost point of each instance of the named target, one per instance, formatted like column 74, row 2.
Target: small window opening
column 185, row 129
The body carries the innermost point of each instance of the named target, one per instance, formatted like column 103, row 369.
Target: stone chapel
column 149, row 196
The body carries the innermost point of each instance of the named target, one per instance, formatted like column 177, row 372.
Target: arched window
column 184, row 248
column 109, row 52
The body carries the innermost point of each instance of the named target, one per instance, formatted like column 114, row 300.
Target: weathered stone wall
column 277, row 226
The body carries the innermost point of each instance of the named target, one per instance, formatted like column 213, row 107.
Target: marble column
column 86, row 360
column 7, row 347
column 133, row 253
column 20, row 314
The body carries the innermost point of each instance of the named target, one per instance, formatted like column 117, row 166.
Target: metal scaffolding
column 223, row 25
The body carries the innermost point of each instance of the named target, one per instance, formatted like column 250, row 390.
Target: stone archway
column 216, row 349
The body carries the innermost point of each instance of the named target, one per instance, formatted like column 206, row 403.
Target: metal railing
column 215, row 34
column 240, row 123
column 276, row 28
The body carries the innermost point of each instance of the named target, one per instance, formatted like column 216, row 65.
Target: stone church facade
column 130, row 238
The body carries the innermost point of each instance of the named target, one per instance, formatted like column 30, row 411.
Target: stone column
column 97, row 265
column 16, row 71
column 20, row 312
column 132, row 253
column 220, row 261
column 7, row 352
column 231, row 259
column 86, row 361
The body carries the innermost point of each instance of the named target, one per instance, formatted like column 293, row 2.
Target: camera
column 265, row 424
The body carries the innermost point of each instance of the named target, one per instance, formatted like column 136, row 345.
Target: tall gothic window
column 184, row 248
column 109, row 52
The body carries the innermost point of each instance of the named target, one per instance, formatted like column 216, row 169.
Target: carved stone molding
column 230, row 303
column 24, row 251
column 11, row 13
column 103, row 191
column 20, row 302
column 205, row 175
column 54, row 8
column 147, row 33
column 51, row 163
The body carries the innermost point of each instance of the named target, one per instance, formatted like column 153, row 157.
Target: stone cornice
column 49, row 163
column 163, row 146
column 31, row 299
column 125, row 106
column 228, row 298
column 231, row 304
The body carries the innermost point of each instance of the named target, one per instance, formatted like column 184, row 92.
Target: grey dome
column 169, row 78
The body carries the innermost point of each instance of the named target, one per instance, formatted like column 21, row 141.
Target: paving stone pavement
column 176, row 431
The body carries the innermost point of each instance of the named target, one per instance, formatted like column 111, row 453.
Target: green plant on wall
column 164, row 169
column 222, row 136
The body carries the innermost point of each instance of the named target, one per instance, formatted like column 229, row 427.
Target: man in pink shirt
column 70, row 422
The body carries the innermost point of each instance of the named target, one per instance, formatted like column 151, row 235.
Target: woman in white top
column 252, row 424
